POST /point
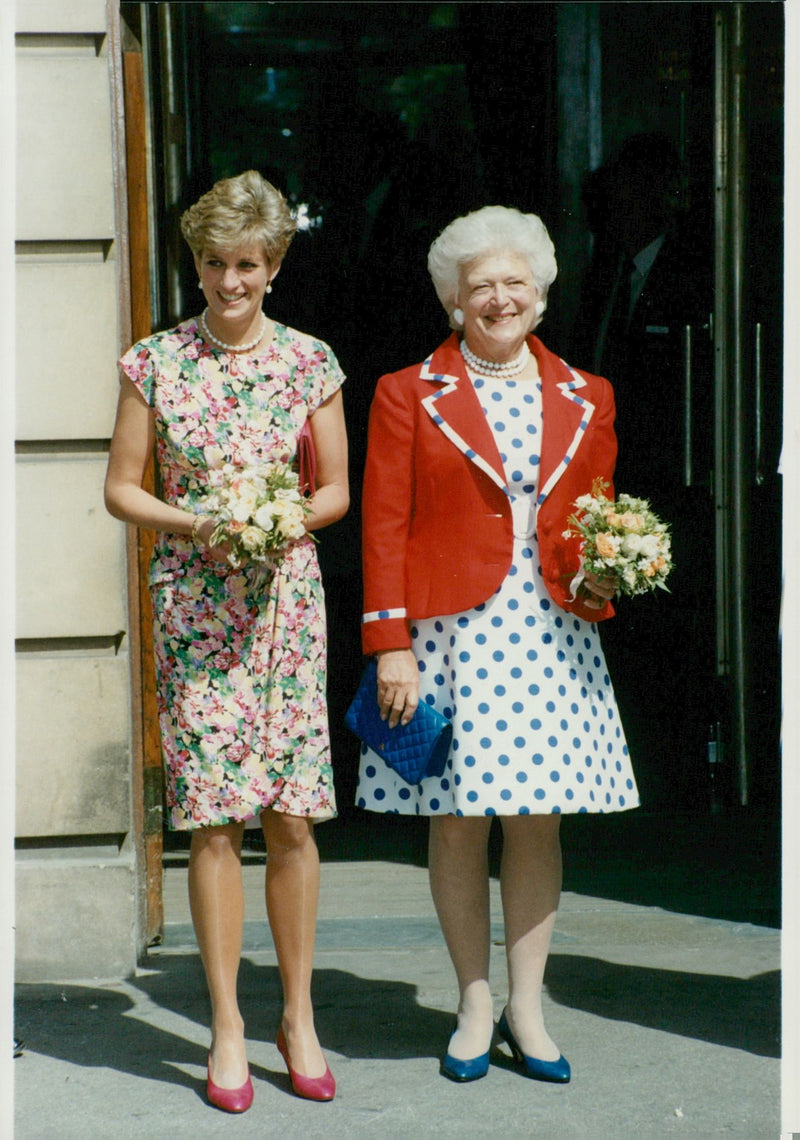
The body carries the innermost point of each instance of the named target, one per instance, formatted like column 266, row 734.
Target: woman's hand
column 398, row 686
column 202, row 536
column 600, row 590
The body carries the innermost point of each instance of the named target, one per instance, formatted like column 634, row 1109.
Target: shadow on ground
column 361, row 1017
column 724, row 866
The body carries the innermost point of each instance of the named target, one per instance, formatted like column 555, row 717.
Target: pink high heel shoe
column 311, row 1088
column 230, row 1100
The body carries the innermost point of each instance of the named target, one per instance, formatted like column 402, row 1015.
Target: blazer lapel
column 454, row 408
column 566, row 414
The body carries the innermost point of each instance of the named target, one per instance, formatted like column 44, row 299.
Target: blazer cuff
column 385, row 629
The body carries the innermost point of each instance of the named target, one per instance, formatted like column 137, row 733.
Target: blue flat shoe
column 556, row 1071
column 472, row 1070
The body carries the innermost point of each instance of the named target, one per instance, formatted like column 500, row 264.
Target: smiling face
column 234, row 283
column 497, row 295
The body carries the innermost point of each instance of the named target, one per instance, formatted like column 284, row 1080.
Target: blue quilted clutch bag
column 415, row 750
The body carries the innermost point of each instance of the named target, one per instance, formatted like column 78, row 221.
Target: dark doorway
column 382, row 122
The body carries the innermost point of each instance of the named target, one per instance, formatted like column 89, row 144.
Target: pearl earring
column 199, row 284
column 268, row 288
column 458, row 316
column 539, row 308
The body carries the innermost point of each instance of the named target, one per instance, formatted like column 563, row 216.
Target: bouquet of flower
column 258, row 511
column 621, row 538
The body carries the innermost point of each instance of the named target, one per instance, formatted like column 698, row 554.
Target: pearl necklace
column 231, row 347
column 492, row 368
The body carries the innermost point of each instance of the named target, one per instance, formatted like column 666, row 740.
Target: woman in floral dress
column 240, row 650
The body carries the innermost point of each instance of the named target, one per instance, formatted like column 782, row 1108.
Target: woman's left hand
column 398, row 685
column 600, row 590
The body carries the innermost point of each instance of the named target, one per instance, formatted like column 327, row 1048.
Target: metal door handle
column 688, row 474
column 759, row 404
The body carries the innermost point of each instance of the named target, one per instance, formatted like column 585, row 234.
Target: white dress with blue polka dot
column 535, row 722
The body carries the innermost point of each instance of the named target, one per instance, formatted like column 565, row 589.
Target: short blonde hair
column 489, row 230
column 245, row 210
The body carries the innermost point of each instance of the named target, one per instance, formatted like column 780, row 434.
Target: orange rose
column 605, row 545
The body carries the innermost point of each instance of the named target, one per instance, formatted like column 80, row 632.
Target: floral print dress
column 240, row 654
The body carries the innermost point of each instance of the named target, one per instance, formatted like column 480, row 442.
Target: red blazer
column 438, row 536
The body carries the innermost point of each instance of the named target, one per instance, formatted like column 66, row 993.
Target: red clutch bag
column 307, row 460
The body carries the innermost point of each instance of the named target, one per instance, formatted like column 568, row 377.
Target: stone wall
column 76, row 888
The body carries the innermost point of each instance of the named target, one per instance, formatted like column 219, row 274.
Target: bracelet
column 198, row 522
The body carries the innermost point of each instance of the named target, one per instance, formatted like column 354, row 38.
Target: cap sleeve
column 329, row 376
column 138, row 365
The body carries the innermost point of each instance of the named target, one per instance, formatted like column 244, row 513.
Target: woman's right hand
column 398, row 685
column 219, row 552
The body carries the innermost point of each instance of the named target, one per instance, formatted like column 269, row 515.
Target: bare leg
column 216, row 900
column 292, row 894
column 530, row 884
column 458, row 867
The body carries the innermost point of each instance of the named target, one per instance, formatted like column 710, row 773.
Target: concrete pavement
column 669, row 1019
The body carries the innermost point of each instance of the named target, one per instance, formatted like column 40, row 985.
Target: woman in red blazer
column 475, row 458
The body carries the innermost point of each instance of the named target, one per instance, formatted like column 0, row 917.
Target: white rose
column 651, row 547
column 263, row 517
column 290, row 522
column 245, row 502
column 631, row 545
column 252, row 538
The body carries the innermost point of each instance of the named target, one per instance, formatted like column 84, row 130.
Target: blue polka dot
column 487, row 778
